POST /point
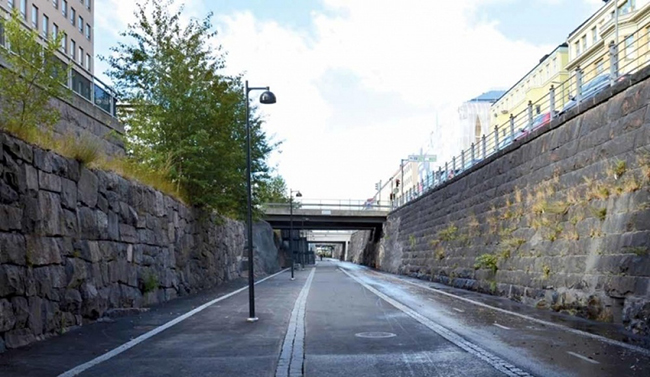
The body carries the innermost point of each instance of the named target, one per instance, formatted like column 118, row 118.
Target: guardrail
column 625, row 58
column 334, row 204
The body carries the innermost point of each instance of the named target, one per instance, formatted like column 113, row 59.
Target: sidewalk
column 215, row 341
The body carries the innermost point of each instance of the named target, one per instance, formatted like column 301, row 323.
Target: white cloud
column 426, row 56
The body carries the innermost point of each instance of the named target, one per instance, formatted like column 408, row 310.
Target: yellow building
column 589, row 43
column 533, row 87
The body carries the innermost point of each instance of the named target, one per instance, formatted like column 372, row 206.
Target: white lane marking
column 494, row 361
column 579, row 356
column 293, row 348
column 459, row 310
column 503, row 327
column 540, row 321
column 116, row 351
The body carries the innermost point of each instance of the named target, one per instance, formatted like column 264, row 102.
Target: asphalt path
column 338, row 319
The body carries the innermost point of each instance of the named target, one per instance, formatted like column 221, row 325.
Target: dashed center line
column 579, row 356
column 459, row 310
column 501, row 326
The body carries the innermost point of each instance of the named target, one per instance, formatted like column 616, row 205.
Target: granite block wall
column 559, row 220
column 75, row 243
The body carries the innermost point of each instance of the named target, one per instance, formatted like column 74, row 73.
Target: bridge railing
column 333, row 204
column 614, row 64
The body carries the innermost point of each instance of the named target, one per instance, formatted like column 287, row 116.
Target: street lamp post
column 267, row 97
column 298, row 195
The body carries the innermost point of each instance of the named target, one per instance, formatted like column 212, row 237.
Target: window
column 64, row 8
column 548, row 71
column 629, row 47
column 34, row 17
column 88, row 62
column 23, row 9
column 73, row 49
column 81, row 56
column 55, row 30
column 627, row 7
column 80, row 24
column 46, row 24
column 554, row 65
column 11, row 3
column 584, row 43
column 88, row 31
column 594, row 35
column 73, row 15
column 600, row 66
column 88, row 4
column 64, row 42
column 55, row 3
column 577, row 48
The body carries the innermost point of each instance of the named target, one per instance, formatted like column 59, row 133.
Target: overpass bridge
column 327, row 214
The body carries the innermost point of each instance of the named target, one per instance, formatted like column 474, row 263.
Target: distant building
column 73, row 20
column 589, row 43
column 534, row 87
column 474, row 117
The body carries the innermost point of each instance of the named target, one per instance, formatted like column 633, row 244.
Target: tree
column 274, row 191
column 32, row 76
column 185, row 115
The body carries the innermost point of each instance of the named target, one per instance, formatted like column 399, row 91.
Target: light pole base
column 252, row 319
column 292, row 279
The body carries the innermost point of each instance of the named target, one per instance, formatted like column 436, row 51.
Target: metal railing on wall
column 79, row 80
column 334, row 204
column 623, row 59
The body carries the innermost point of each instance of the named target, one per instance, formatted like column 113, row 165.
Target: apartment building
column 624, row 22
column 73, row 19
column 533, row 87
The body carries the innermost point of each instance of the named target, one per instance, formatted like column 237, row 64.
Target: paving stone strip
column 496, row 362
column 292, row 357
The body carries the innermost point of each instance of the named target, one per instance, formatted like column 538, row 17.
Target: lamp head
column 267, row 98
column 298, row 194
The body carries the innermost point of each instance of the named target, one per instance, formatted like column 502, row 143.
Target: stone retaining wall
column 560, row 220
column 76, row 242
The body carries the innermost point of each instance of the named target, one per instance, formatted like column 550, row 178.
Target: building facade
column 625, row 23
column 474, row 118
column 534, row 87
column 73, row 21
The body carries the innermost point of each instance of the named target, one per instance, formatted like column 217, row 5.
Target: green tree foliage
column 275, row 191
column 185, row 115
column 33, row 77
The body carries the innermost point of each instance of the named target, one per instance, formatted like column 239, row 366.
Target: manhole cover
column 375, row 335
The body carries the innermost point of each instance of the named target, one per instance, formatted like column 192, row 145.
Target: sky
column 361, row 84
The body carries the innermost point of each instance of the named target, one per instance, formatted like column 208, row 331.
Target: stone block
column 21, row 310
column 113, row 227
column 12, row 280
column 49, row 182
column 94, row 302
column 71, row 301
column 75, row 271
column 88, row 223
column 12, row 249
column 102, row 225
column 65, row 167
column 128, row 234
column 47, row 215
column 7, row 194
column 69, row 224
column 7, row 316
column 11, row 218
column 49, row 280
column 68, row 194
column 35, row 319
column 42, row 251
column 88, row 188
column 43, row 160
column 19, row 338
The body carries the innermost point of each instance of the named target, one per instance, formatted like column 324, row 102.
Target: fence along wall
column 75, row 243
column 559, row 220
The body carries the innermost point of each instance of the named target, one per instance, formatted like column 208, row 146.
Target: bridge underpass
column 326, row 223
